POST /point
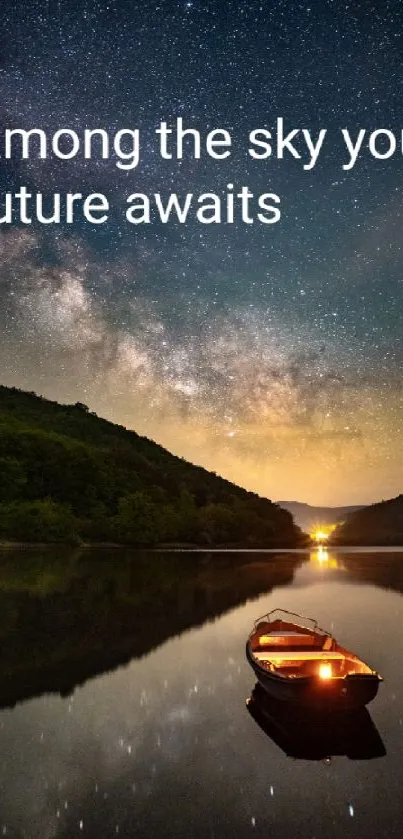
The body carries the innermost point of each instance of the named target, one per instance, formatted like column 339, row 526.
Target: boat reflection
column 307, row 735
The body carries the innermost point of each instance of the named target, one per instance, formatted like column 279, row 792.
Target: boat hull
column 352, row 692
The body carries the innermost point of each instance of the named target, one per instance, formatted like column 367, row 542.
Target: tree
column 12, row 478
column 37, row 521
column 137, row 520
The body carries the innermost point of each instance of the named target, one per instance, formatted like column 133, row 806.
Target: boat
column 296, row 661
column 305, row 734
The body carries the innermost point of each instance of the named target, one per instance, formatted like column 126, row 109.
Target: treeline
column 67, row 475
column 379, row 524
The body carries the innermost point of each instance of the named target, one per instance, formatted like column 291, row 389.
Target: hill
column 379, row 524
column 67, row 475
column 308, row 517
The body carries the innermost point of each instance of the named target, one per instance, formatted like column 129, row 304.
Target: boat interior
column 293, row 651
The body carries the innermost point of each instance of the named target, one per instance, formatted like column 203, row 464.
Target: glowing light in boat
column 325, row 671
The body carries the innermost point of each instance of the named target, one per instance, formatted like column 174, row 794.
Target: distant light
column 320, row 535
column 325, row 671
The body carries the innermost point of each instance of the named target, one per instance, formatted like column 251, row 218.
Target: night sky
column 270, row 354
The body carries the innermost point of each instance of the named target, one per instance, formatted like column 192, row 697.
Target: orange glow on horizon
column 321, row 533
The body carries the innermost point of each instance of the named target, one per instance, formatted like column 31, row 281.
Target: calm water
column 123, row 696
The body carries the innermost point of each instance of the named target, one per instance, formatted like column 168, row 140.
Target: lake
column 123, row 688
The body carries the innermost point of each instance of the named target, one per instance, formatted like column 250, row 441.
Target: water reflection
column 324, row 559
column 307, row 735
column 322, row 554
column 382, row 567
column 153, row 739
column 72, row 616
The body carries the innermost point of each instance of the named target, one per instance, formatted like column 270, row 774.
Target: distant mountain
column 67, row 475
column 308, row 517
column 379, row 524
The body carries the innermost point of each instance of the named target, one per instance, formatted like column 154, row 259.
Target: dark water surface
column 123, row 688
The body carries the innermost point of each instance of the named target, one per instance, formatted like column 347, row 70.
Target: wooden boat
column 307, row 734
column 296, row 661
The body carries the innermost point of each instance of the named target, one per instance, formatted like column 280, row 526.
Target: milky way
column 270, row 354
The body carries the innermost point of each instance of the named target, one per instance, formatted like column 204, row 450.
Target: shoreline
column 6, row 546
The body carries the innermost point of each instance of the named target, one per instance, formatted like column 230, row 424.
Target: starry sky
column 270, row 354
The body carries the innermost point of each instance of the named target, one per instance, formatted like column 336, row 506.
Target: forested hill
column 380, row 524
column 68, row 475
